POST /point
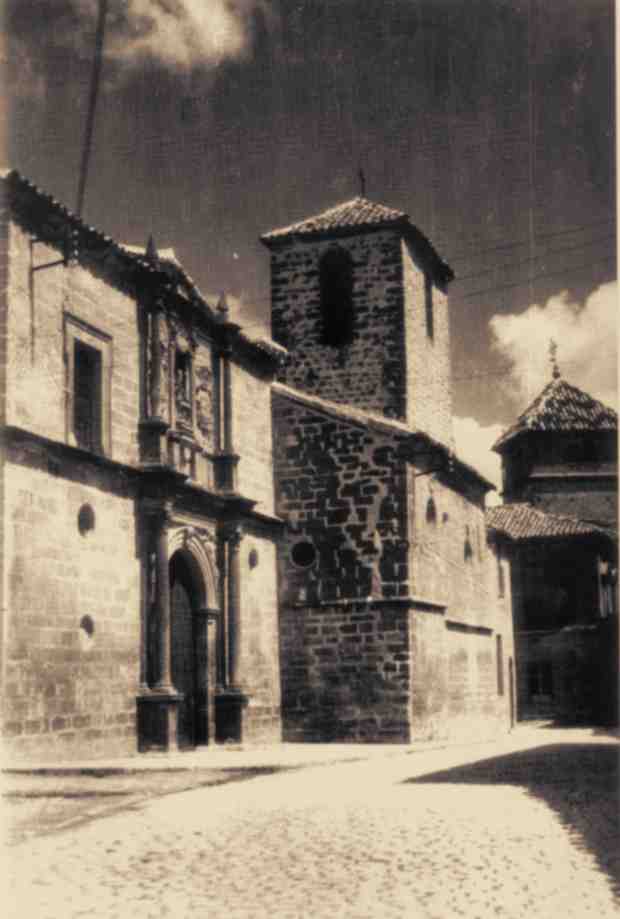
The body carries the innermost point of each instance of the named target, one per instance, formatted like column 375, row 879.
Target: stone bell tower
column 359, row 299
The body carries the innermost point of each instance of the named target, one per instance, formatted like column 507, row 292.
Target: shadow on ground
column 578, row 781
column 46, row 802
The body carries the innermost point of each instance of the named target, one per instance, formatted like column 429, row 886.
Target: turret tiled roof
column 561, row 407
column 521, row 521
column 353, row 216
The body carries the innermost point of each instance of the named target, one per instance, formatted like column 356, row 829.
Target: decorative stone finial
column 553, row 351
column 222, row 307
column 151, row 249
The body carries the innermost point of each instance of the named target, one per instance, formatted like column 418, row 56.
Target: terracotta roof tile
column 562, row 407
column 358, row 212
column 521, row 521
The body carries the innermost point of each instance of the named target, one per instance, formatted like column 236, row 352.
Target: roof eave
column 273, row 240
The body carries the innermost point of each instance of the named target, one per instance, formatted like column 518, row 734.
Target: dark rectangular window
column 540, row 678
column 87, row 396
column 428, row 302
column 500, row 665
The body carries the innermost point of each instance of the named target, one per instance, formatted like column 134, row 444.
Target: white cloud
column 179, row 33
column 586, row 336
column 473, row 445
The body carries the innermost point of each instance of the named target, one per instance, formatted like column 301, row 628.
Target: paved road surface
column 406, row 835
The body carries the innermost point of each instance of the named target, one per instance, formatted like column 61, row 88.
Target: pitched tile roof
column 561, row 407
column 521, row 521
column 355, row 215
column 358, row 212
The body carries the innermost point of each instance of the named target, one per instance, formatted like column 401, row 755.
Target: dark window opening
column 468, row 551
column 539, row 678
column 428, row 303
column 581, row 450
column 431, row 510
column 336, row 282
column 86, row 519
column 87, row 396
column 303, row 554
column 87, row 625
column 501, row 579
column 500, row 664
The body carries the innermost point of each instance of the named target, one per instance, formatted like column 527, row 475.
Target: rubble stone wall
column 368, row 373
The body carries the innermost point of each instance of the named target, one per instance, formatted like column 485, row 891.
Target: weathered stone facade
column 138, row 583
column 391, row 632
column 392, row 627
column 193, row 552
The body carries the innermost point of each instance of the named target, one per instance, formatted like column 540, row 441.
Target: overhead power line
column 537, row 277
column 535, row 258
column 518, row 244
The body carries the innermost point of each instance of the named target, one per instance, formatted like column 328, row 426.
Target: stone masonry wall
column 456, row 693
column 252, row 438
column 595, row 500
column 341, row 486
column 455, row 572
column 70, row 681
column 343, row 633
column 429, row 387
column 448, row 550
column 36, row 370
column 260, row 664
column 368, row 373
column 346, row 672
column 4, row 281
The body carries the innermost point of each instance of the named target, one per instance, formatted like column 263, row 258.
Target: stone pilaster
column 158, row 704
column 205, row 621
column 231, row 700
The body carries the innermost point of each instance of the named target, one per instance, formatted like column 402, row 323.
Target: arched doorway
column 188, row 656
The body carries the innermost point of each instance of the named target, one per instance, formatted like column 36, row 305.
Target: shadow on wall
column 578, row 781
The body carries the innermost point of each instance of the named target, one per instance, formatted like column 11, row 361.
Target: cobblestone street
column 522, row 828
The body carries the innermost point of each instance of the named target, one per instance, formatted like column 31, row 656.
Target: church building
column 209, row 537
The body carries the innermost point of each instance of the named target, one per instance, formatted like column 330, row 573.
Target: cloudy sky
column 490, row 122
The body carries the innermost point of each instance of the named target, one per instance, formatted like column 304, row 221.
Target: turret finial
column 362, row 179
column 553, row 357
